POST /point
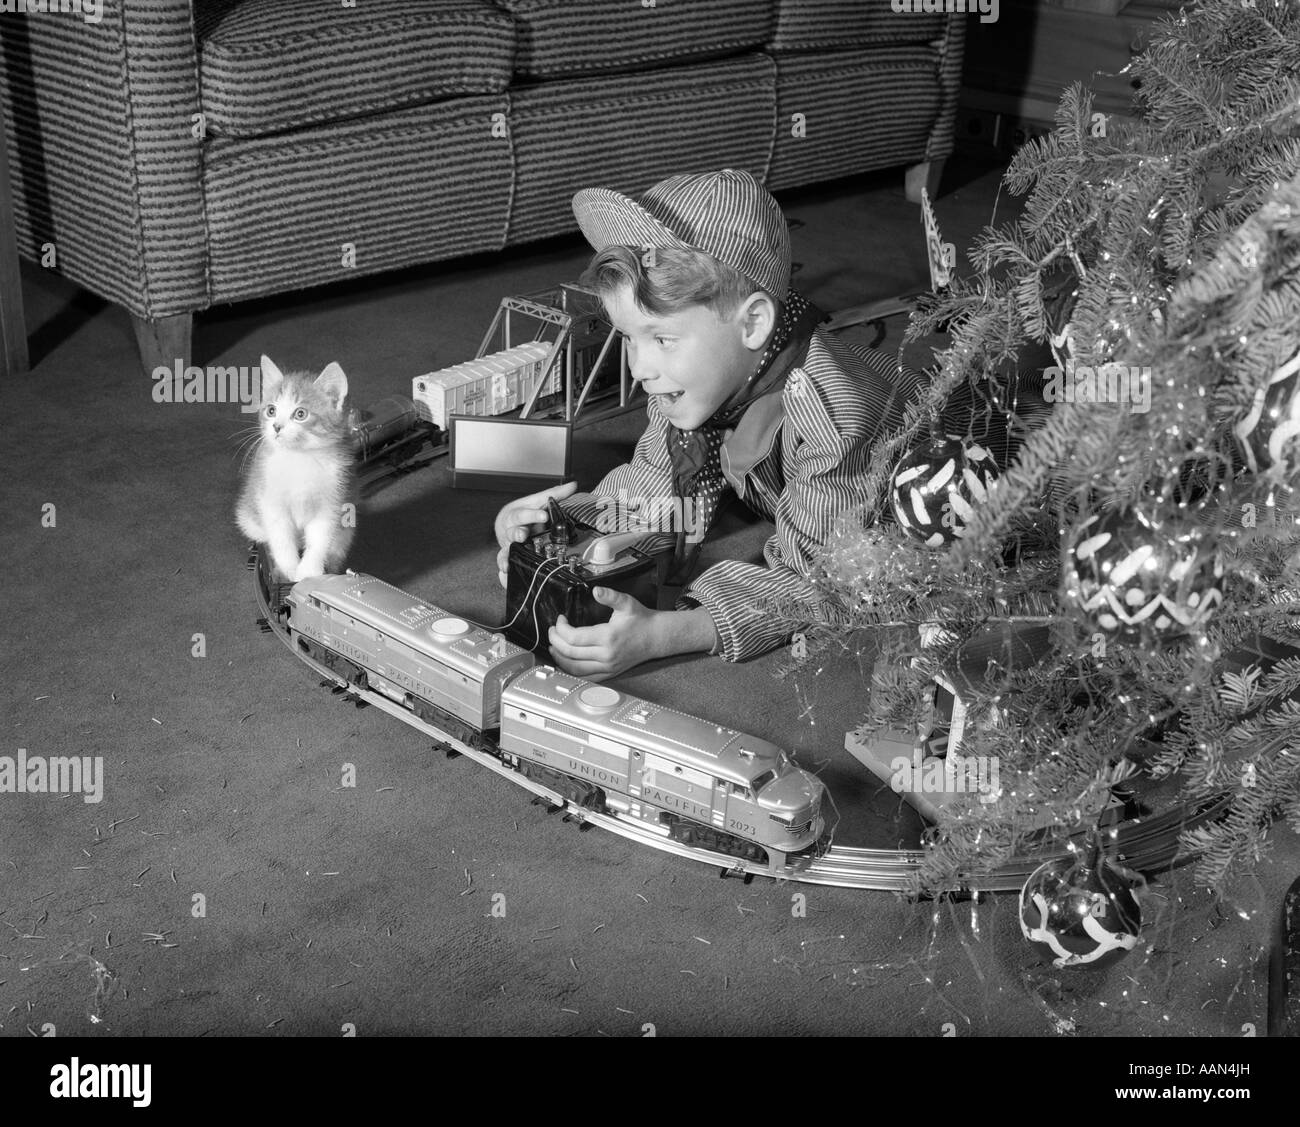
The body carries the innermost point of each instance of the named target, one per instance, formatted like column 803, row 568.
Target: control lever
column 561, row 529
column 605, row 549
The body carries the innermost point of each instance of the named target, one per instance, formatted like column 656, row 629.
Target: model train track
column 1150, row 845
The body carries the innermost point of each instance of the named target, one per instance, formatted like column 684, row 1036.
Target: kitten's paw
column 285, row 568
column 308, row 569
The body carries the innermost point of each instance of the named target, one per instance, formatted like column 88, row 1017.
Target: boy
column 745, row 393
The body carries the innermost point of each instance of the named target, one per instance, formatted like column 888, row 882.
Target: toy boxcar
column 490, row 385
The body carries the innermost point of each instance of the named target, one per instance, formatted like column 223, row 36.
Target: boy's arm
column 835, row 424
column 647, row 475
column 718, row 611
column 740, row 597
column 634, row 633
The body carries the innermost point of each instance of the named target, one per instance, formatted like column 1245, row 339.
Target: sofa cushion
column 611, row 133
column 270, row 65
column 568, row 38
column 837, row 25
column 857, row 111
column 339, row 201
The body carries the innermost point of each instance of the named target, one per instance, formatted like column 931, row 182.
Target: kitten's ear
column 271, row 375
column 333, row 384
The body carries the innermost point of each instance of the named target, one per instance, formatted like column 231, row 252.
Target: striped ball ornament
column 1267, row 432
column 1082, row 913
column 1137, row 578
column 938, row 485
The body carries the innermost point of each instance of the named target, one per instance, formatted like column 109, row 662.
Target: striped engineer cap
column 727, row 214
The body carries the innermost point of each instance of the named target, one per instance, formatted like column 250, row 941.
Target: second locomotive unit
column 699, row 783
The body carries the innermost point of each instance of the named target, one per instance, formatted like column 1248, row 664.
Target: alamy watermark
column 654, row 514
column 92, row 11
column 75, row 1080
column 953, row 774
column 987, row 9
column 213, row 384
column 1109, row 383
column 59, row 774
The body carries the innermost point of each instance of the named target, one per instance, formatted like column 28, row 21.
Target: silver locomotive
column 446, row 671
column 696, row 782
column 700, row 783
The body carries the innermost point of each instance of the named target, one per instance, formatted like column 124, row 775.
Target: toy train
column 490, row 385
column 388, row 432
column 394, row 431
column 691, row 781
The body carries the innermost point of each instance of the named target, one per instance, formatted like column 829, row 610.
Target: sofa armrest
column 105, row 153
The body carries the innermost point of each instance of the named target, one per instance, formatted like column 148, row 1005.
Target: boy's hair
column 679, row 276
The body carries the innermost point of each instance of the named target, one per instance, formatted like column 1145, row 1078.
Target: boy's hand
column 634, row 634
column 523, row 518
column 627, row 639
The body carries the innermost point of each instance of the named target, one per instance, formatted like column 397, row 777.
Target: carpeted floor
column 228, row 883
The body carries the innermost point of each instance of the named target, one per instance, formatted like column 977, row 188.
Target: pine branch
column 1175, row 239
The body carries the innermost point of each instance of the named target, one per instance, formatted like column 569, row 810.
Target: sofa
column 177, row 154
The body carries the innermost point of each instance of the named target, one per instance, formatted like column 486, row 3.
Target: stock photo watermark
column 1109, row 383
column 953, row 774
column 92, row 11
column 59, row 774
column 655, row 514
column 987, row 10
column 213, row 384
column 102, row 1081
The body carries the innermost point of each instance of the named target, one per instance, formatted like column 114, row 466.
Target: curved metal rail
column 1150, row 845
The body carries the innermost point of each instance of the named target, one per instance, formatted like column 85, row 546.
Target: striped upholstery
column 842, row 25
column 580, row 134
column 109, row 165
column 951, row 49
column 270, row 65
column 418, row 186
column 112, row 183
column 863, row 110
column 567, row 38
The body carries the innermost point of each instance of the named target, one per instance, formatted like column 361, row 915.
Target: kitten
column 302, row 473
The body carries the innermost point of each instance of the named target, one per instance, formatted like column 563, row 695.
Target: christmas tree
column 1143, row 540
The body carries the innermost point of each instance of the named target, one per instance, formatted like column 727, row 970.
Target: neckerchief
column 695, row 455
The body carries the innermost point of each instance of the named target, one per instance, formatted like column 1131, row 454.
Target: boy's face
column 692, row 360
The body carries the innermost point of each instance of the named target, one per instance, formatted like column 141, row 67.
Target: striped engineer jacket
column 798, row 459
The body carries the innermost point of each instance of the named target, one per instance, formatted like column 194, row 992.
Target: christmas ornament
column 937, row 486
column 1273, row 419
column 1140, row 578
column 1082, row 911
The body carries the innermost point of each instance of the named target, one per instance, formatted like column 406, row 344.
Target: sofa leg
column 13, row 326
column 164, row 342
column 925, row 175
